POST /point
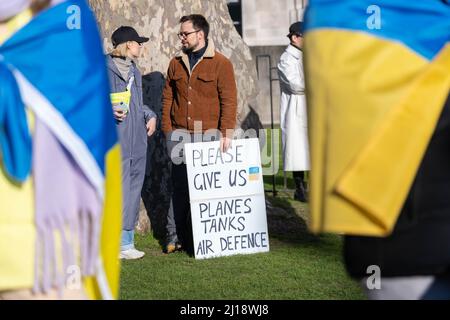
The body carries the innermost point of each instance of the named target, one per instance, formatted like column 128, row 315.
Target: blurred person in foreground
column 60, row 193
column 380, row 148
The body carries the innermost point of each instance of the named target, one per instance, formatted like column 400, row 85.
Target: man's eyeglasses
column 182, row 35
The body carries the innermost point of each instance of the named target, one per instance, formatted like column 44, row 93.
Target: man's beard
column 187, row 50
column 190, row 48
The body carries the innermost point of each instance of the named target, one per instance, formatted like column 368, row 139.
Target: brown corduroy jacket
column 207, row 93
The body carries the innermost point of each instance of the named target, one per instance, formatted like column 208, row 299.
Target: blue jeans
column 127, row 241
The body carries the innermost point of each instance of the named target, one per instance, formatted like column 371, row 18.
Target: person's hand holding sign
column 225, row 144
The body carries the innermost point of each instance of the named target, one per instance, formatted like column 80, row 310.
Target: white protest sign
column 227, row 198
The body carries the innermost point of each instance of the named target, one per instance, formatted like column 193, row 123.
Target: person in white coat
column 293, row 116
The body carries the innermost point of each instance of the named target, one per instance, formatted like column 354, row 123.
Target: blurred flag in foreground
column 377, row 80
column 60, row 207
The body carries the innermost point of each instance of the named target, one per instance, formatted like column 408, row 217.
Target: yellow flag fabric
column 373, row 102
column 110, row 236
column 17, row 230
column 18, row 234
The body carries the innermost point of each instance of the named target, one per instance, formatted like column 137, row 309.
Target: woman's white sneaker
column 131, row 254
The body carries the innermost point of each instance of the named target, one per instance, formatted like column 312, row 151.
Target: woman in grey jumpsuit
column 133, row 127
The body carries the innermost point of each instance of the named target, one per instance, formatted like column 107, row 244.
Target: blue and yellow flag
column 378, row 75
column 55, row 66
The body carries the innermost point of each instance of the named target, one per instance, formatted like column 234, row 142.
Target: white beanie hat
column 9, row 8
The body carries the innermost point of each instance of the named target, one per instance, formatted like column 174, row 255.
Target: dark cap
column 124, row 34
column 296, row 28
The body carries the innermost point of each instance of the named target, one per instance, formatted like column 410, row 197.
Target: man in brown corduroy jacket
column 200, row 93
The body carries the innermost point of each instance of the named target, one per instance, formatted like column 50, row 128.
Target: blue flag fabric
column 72, row 107
column 423, row 26
column 15, row 141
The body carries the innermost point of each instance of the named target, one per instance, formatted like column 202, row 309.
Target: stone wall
column 262, row 55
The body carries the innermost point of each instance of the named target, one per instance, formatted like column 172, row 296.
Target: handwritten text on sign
column 227, row 199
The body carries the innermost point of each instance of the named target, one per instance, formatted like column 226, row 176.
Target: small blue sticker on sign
column 253, row 173
column 253, row 170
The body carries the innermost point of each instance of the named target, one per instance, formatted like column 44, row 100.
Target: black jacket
column 420, row 242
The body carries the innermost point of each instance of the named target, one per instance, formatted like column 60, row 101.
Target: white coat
column 293, row 116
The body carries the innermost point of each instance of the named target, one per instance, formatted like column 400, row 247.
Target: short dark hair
column 198, row 22
column 294, row 34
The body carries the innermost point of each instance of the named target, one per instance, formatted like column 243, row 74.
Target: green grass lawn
column 298, row 266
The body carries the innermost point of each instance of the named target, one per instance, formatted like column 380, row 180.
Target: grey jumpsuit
column 133, row 141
